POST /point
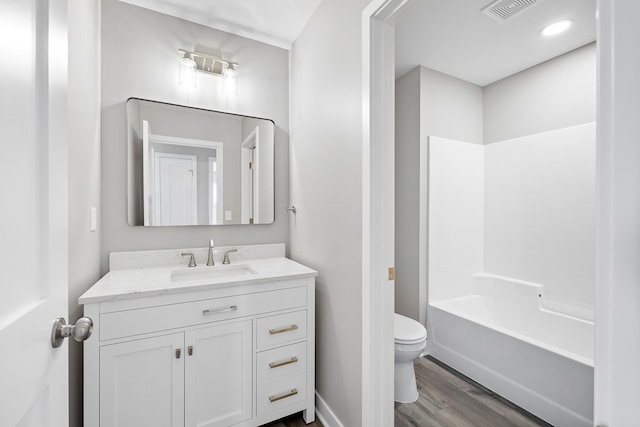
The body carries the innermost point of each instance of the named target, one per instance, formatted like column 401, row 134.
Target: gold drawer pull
column 281, row 330
column 275, row 398
column 283, row 362
column 219, row 310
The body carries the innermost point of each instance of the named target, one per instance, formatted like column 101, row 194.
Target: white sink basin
column 214, row 272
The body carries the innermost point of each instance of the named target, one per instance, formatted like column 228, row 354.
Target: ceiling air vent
column 503, row 10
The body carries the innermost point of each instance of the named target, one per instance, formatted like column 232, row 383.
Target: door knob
column 80, row 331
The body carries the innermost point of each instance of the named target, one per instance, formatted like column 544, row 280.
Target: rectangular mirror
column 190, row 166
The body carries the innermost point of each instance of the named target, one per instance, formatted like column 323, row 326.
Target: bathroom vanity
column 203, row 346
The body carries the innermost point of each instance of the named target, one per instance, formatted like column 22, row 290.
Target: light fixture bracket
column 208, row 63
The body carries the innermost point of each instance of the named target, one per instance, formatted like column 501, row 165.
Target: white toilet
column 410, row 342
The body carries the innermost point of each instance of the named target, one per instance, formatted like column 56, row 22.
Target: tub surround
column 251, row 334
column 511, row 254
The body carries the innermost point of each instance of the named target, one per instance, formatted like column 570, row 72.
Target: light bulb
column 230, row 80
column 187, row 72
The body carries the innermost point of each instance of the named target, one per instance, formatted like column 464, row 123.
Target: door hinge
column 251, row 165
column 392, row 273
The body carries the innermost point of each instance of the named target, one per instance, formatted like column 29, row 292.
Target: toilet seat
column 408, row 331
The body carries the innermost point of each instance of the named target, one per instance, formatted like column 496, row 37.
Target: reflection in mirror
column 189, row 166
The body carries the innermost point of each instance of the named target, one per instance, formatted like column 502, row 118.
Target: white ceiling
column 455, row 38
column 276, row 22
column 450, row 36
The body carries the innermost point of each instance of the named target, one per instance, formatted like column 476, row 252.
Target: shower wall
column 539, row 210
column 456, row 217
column 522, row 208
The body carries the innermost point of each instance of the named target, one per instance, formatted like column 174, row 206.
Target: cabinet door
column 219, row 377
column 142, row 382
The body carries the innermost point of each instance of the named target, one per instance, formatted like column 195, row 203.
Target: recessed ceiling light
column 556, row 27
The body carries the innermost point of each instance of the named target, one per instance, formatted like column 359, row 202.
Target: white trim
column 147, row 173
column 219, row 174
column 617, row 372
column 423, row 232
column 187, row 142
column 324, row 413
column 251, row 142
column 378, row 208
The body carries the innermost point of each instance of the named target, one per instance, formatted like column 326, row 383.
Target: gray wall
column 555, row 94
column 140, row 59
column 84, row 174
column 326, row 188
column 450, row 107
column 407, row 298
column 427, row 103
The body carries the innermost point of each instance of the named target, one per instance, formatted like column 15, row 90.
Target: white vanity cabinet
column 142, row 374
column 240, row 354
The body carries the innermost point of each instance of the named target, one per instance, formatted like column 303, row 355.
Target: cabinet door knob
column 190, row 350
column 178, row 353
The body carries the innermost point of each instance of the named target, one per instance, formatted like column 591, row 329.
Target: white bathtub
column 504, row 338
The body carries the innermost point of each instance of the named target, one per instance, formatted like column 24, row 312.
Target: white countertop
column 154, row 281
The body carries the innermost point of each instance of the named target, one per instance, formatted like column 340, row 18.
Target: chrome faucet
column 210, row 256
column 192, row 260
column 225, row 260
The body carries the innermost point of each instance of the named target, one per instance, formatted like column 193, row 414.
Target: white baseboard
column 325, row 414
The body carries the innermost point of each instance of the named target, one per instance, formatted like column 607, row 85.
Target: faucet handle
column 225, row 260
column 192, row 260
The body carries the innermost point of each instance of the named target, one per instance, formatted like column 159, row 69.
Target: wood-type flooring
column 447, row 399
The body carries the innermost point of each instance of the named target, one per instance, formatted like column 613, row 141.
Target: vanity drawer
column 280, row 393
column 281, row 361
column 281, row 329
column 152, row 319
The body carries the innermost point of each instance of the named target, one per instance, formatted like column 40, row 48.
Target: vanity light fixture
column 211, row 65
column 556, row 27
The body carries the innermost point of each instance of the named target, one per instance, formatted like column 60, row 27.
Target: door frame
column 617, row 372
column 249, row 182
column 618, row 211
column 378, row 208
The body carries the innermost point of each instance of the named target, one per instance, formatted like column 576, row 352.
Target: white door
column 142, row 382
column 175, row 187
column 218, row 375
column 33, row 213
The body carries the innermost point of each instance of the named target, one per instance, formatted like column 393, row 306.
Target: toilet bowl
column 410, row 342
